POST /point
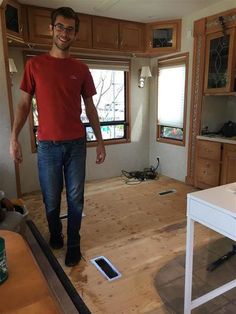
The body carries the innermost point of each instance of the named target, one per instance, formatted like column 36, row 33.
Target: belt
column 62, row 141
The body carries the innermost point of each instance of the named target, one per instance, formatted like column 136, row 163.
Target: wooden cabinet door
column 228, row 174
column 220, row 62
column 14, row 15
column 207, row 164
column 131, row 36
column 39, row 20
column 207, row 173
column 39, row 33
column 105, row 33
column 84, row 38
column 163, row 37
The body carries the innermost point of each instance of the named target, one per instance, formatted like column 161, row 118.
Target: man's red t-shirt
column 58, row 85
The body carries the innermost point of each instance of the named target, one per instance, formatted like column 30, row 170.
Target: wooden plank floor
column 138, row 230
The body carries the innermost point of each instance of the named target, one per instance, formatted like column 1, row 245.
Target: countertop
column 217, row 138
column 26, row 289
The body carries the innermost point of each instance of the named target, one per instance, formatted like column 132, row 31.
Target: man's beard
column 65, row 48
column 61, row 46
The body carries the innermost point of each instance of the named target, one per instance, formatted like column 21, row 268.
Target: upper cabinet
column 105, row 33
column 84, row 39
column 96, row 32
column 119, row 35
column 39, row 20
column 15, row 19
column 220, row 62
column 163, row 37
column 132, row 36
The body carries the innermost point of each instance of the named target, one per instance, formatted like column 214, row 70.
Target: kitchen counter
column 217, row 138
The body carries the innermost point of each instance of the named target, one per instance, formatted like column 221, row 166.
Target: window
column 172, row 90
column 111, row 79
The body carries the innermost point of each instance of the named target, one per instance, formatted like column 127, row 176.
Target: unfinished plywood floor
column 138, row 230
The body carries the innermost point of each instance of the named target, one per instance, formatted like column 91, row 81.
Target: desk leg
column 189, row 266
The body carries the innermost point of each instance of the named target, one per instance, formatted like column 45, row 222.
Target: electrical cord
column 136, row 177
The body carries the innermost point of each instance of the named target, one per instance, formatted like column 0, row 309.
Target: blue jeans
column 58, row 162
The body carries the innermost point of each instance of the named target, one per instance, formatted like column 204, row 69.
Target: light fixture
column 12, row 68
column 144, row 73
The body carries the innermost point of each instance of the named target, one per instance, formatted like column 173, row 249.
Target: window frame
column 127, row 84
column 174, row 60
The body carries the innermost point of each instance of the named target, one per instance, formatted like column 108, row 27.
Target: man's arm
column 22, row 112
column 92, row 115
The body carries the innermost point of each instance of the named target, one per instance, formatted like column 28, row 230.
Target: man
column 58, row 82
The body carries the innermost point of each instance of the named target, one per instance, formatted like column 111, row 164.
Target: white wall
column 130, row 156
column 7, row 169
column 134, row 155
column 28, row 166
column 173, row 159
column 216, row 110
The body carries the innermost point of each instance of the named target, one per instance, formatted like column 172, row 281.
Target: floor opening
column 167, row 192
column 106, row 268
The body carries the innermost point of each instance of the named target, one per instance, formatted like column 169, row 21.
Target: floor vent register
column 106, row 268
column 167, row 192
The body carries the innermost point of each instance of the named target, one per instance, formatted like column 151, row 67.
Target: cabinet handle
column 150, row 44
column 21, row 28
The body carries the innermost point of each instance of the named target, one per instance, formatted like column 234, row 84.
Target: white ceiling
column 134, row 10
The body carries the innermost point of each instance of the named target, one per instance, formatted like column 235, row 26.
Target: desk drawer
column 213, row 218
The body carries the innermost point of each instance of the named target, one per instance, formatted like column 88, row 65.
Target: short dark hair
column 67, row 13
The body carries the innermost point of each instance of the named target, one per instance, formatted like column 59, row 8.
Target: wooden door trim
column 9, row 92
column 196, row 94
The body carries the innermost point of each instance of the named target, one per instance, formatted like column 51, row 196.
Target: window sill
column 170, row 141
column 109, row 142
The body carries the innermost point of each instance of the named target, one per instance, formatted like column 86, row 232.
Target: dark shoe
column 73, row 256
column 56, row 242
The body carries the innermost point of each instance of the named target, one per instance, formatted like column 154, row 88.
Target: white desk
column 214, row 208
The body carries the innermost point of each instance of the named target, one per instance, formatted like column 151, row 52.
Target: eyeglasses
column 61, row 28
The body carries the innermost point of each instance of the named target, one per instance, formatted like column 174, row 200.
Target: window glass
column 172, row 98
column 110, row 102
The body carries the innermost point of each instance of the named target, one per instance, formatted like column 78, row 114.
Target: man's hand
column 15, row 151
column 101, row 153
column 21, row 114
